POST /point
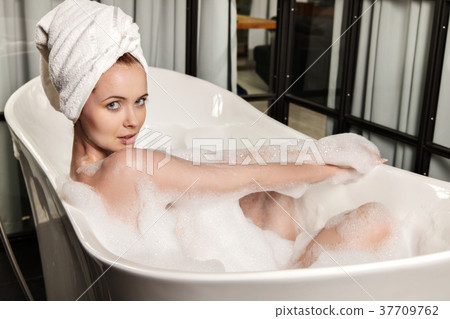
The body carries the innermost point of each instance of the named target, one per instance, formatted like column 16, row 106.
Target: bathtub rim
column 15, row 129
column 308, row 274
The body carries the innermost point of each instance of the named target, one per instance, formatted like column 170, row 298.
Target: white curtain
column 334, row 59
column 390, row 78
column 163, row 30
column 18, row 54
column 18, row 64
column 390, row 70
column 212, row 59
column 163, row 27
column 439, row 166
column 442, row 131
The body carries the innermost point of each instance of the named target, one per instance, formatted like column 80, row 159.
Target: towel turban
column 79, row 40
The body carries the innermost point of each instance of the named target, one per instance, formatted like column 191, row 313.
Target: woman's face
column 115, row 110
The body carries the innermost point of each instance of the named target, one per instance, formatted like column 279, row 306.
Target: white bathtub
column 73, row 259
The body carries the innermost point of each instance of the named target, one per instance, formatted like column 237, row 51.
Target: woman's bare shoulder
column 122, row 169
column 116, row 182
column 125, row 164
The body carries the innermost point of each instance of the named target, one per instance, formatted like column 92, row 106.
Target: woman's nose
column 131, row 119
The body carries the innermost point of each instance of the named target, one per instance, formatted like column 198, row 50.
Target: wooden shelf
column 246, row 22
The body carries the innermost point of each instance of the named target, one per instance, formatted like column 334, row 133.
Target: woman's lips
column 127, row 139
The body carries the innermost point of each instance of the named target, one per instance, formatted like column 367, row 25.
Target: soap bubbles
column 207, row 232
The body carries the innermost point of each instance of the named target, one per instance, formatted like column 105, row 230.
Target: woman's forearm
column 180, row 174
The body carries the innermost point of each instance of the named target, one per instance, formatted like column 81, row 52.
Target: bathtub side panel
column 427, row 281
column 66, row 267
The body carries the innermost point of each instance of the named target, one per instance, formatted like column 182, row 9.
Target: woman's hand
column 350, row 150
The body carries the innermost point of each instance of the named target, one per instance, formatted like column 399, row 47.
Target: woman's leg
column 364, row 228
column 271, row 211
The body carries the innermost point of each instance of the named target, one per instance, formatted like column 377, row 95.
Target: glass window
column 439, row 168
column 314, row 64
column 442, row 130
column 392, row 61
column 256, row 28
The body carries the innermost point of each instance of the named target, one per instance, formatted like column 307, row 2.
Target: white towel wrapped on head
column 79, row 40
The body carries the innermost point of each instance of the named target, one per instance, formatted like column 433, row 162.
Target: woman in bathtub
column 104, row 89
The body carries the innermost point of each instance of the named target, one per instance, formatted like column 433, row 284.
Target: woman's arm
column 342, row 153
column 178, row 174
column 116, row 180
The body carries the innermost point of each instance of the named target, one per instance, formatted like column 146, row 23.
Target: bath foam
column 209, row 228
column 426, row 233
column 392, row 247
column 355, row 248
column 372, row 219
column 218, row 230
column 209, row 233
column 202, row 233
column 349, row 150
column 154, row 246
column 90, row 169
column 111, row 232
column 156, row 225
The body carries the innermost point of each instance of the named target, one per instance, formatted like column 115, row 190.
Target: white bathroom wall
column 18, row 64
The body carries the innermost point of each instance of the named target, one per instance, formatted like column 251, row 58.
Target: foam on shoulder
column 89, row 169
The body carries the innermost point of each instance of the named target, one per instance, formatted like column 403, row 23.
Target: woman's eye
column 141, row 101
column 113, row 106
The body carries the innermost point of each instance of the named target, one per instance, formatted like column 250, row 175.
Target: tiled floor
column 251, row 82
column 26, row 250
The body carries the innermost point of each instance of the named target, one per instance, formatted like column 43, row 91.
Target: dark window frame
column 422, row 143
